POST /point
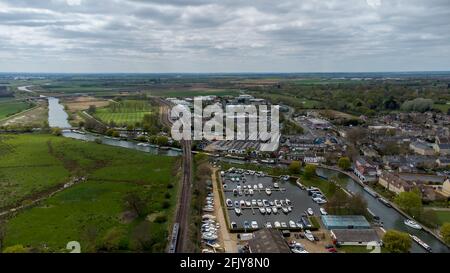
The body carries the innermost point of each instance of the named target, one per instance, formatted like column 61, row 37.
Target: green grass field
column 443, row 107
column 124, row 113
column 93, row 213
column 8, row 108
column 443, row 216
column 193, row 93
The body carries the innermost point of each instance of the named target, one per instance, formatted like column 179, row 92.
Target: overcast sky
column 224, row 36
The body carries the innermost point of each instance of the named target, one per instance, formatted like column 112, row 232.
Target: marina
column 274, row 202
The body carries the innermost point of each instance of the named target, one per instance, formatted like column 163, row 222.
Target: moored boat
column 412, row 224
column 421, row 243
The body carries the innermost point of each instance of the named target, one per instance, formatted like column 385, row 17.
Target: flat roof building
column 355, row 237
column 345, row 222
column 268, row 241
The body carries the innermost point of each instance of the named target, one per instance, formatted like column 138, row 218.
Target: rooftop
column 268, row 241
column 355, row 235
column 345, row 222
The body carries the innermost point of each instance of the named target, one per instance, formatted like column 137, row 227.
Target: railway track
column 179, row 240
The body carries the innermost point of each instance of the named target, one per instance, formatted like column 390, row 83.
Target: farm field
column 8, row 108
column 193, row 92
column 124, row 113
column 125, row 204
column 83, row 103
column 33, row 118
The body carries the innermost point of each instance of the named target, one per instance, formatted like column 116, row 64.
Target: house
column 365, row 169
column 268, row 241
column 422, row 148
column 429, row 185
column 443, row 161
column 442, row 145
column 445, row 191
column 317, row 123
column 355, row 237
column 393, row 183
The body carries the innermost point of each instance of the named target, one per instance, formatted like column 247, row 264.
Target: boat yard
column 255, row 200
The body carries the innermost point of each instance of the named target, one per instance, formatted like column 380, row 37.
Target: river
column 390, row 217
column 57, row 118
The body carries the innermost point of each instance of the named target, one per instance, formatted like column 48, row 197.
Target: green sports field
column 125, row 113
column 97, row 213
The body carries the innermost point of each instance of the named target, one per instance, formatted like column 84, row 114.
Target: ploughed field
column 125, row 113
column 125, row 204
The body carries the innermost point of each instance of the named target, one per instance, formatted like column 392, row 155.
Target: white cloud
column 226, row 35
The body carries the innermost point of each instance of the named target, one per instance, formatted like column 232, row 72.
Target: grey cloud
column 231, row 35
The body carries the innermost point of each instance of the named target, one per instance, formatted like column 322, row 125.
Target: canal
column 390, row 217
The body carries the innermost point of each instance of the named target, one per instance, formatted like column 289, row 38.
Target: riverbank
column 394, row 206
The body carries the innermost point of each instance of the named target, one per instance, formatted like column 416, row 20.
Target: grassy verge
column 124, row 205
column 443, row 216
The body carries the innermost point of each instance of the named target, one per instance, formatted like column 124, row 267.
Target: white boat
column 288, row 202
column 269, row 210
column 268, row 225
column 209, row 236
column 421, row 243
column 275, row 185
column 412, row 224
column 262, row 210
column 310, row 211
column 323, row 211
column 292, row 224
column 268, row 191
column 260, row 203
column 251, row 192
column 242, row 203
column 248, row 203
column 255, row 187
column 208, row 209
column 284, row 225
column 277, row 224
column 237, row 211
column 371, row 192
column 254, row 203
column 260, row 186
column 254, row 224
column 309, row 235
column 385, row 202
column 289, row 208
column 278, row 204
column 209, row 216
column 274, row 210
column 285, row 210
column 216, row 245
